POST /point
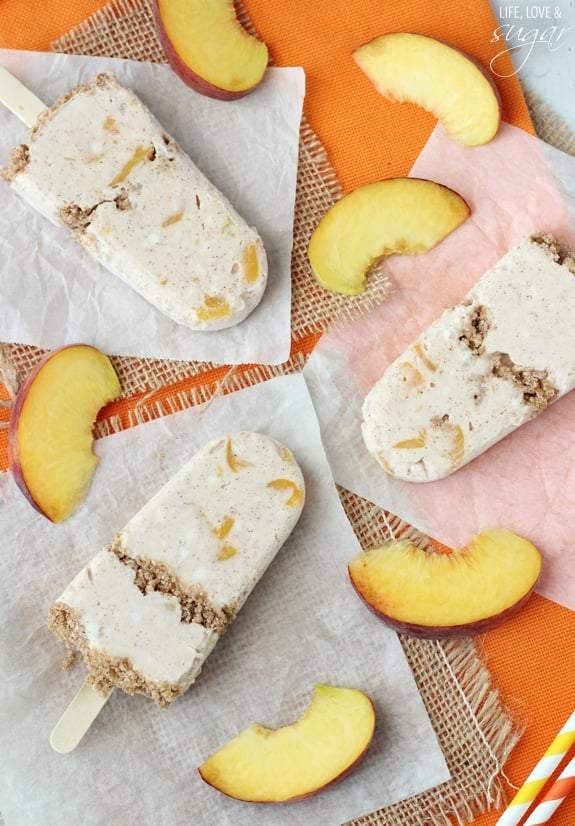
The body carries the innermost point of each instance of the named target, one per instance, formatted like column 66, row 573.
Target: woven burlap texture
column 474, row 730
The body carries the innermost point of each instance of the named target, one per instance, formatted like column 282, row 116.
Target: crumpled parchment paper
column 54, row 293
column 515, row 185
column 302, row 625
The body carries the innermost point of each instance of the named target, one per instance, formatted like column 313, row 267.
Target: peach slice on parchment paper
column 395, row 216
column 265, row 765
column 50, row 434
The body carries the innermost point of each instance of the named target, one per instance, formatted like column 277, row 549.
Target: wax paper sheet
column 54, row 293
column 302, row 625
column 514, row 185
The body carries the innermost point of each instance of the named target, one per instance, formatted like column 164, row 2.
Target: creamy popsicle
column 99, row 163
column 482, row 369
column 149, row 608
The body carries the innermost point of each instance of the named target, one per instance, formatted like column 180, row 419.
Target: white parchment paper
column 515, row 185
column 53, row 293
column 302, row 625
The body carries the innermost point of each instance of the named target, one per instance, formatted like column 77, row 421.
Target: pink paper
column 525, row 483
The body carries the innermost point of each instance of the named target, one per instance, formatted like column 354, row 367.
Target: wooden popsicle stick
column 77, row 718
column 20, row 100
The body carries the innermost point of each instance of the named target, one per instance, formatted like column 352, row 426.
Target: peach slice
column 208, row 48
column 50, row 433
column 394, row 216
column 266, row 765
column 414, row 68
column 434, row 595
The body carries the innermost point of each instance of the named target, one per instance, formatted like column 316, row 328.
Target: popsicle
column 482, row 369
column 99, row 163
column 149, row 608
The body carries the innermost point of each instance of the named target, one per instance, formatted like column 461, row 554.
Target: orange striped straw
column 540, row 775
column 554, row 797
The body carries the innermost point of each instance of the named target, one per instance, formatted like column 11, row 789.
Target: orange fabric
column 532, row 665
column 368, row 138
column 34, row 24
column 365, row 136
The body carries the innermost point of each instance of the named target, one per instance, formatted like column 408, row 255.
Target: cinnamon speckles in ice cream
column 147, row 610
column 482, row 369
column 100, row 164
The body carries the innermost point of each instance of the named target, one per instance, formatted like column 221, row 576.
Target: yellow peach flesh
column 251, row 264
column 214, row 307
column 479, row 582
column 52, row 429
column 413, row 68
column 210, row 41
column 275, row 765
column 394, row 216
column 141, row 154
column 296, row 493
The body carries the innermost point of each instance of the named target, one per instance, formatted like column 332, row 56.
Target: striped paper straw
column 554, row 797
column 540, row 775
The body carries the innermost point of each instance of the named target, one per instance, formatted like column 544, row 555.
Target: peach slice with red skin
column 394, row 216
column 436, row 594
column 264, row 765
column 50, row 432
column 432, row 74
column 208, row 48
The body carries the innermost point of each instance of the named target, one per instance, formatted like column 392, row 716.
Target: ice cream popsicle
column 482, row 369
column 149, row 608
column 99, row 163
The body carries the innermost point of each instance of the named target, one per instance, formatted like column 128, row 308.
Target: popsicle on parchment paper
column 99, row 163
column 149, row 608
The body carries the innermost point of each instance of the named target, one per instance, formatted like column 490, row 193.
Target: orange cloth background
column 368, row 138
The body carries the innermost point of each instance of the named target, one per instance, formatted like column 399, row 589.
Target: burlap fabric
column 475, row 732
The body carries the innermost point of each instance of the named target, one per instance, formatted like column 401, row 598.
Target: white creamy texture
column 439, row 405
column 154, row 218
column 219, row 522
column 121, row 622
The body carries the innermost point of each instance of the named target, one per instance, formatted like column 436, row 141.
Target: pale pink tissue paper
column 515, row 185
